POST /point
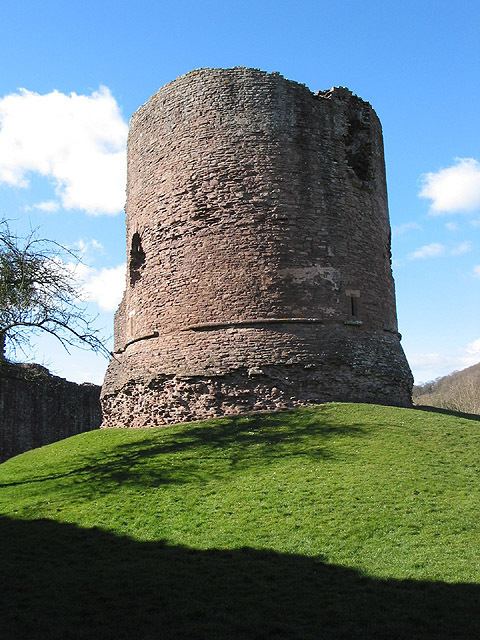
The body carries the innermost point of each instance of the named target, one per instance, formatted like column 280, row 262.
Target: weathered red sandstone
column 258, row 243
column 37, row 408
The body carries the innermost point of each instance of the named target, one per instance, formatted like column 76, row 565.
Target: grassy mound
column 334, row 521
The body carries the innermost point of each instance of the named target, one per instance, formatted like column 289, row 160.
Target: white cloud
column 77, row 141
column 475, row 223
column 445, row 363
column 461, row 248
column 49, row 206
column 77, row 374
column 101, row 286
column 436, row 250
column 454, row 189
column 422, row 360
column 476, row 271
column 472, row 353
column 432, row 250
column 88, row 250
column 401, row 229
column 105, row 286
column 430, row 365
column 451, row 226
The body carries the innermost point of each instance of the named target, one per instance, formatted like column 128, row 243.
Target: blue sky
column 85, row 67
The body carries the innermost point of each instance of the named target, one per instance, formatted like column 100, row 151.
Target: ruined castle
column 258, row 245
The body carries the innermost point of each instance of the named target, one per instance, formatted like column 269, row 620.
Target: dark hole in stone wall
column 358, row 147
column 137, row 259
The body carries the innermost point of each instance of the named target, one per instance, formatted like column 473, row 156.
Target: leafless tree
column 459, row 391
column 464, row 396
column 39, row 293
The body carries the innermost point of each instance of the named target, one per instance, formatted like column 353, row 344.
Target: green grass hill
column 327, row 522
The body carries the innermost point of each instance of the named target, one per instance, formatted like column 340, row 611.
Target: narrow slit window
column 353, row 307
column 353, row 298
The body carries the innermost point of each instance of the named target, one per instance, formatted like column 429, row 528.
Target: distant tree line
column 459, row 391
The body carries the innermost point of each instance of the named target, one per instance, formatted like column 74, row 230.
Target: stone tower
column 258, row 254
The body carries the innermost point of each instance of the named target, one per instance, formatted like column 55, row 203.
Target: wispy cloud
column 461, row 248
column 451, row 226
column 472, row 353
column 436, row 250
column 104, row 286
column 88, row 250
column 433, row 250
column 428, row 360
column 48, row 206
column 429, row 365
column 455, row 189
column 402, row 229
column 476, row 271
column 77, row 141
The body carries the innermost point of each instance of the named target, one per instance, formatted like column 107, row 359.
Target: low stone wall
column 37, row 408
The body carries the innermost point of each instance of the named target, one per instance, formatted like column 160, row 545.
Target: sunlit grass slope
column 353, row 520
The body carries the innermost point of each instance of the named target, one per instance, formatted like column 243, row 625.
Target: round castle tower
column 258, row 254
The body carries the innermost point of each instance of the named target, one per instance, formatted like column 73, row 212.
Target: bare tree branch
column 39, row 293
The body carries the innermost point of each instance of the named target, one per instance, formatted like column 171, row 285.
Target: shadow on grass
column 62, row 582
column 196, row 452
column 447, row 412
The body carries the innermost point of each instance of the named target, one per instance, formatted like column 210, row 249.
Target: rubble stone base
column 170, row 399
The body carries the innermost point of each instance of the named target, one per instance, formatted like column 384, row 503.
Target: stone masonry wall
column 258, row 244
column 37, row 408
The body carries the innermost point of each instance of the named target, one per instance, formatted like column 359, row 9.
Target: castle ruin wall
column 37, row 408
column 258, row 249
